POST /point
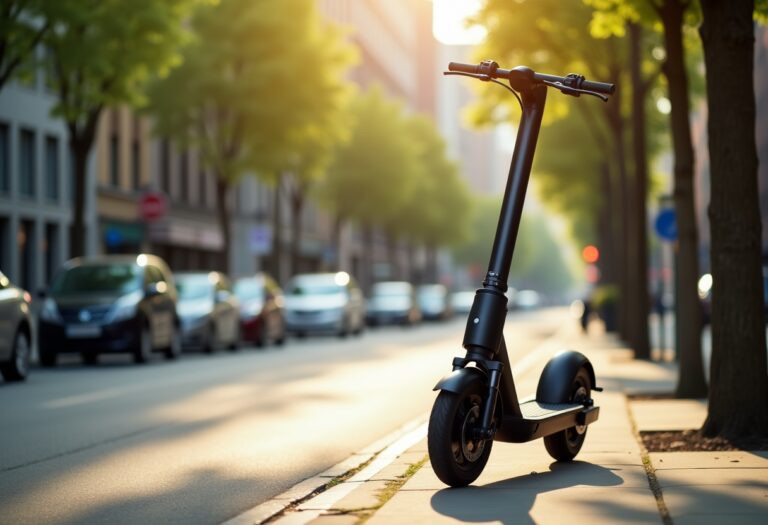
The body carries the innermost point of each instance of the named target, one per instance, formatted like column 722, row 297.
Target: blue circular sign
column 666, row 224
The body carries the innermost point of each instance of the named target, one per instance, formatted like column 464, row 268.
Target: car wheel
column 260, row 341
column 235, row 343
column 280, row 340
column 48, row 357
column 211, row 341
column 18, row 367
column 89, row 358
column 143, row 351
column 174, row 349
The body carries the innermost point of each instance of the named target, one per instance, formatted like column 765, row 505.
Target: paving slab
column 734, row 502
column 519, row 506
column 710, row 460
column 668, row 414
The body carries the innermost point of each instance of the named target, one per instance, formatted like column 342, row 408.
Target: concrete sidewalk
column 613, row 480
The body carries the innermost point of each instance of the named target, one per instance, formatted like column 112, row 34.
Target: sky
column 449, row 26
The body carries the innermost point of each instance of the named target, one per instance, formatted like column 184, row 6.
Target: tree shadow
column 510, row 501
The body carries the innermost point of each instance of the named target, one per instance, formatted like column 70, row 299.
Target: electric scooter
column 477, row 403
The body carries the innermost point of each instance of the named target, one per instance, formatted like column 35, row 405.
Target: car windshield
column 314, row 286
column 98, row 278
column 432, row 292
column 391, row 290
column 194, row 287
column 249, row 289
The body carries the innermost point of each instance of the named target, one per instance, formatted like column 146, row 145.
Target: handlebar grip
column 464, row 68
column 599, row 87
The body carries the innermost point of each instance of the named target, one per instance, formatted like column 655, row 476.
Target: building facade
column 36, row 190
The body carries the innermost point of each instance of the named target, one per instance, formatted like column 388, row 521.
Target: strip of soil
column 693, row 441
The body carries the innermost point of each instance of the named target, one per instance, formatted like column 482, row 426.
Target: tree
column 240, row 95
column 101, row 53
column 538, row 261
column 372, row 174
column 738, row 383
column 23, row 25
column 435, row 211
column 673, row 15
column 553, row 37
column 315, row 141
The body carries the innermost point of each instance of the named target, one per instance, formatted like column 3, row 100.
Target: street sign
column 666, row 224
column 152, row 206
column 260, row 240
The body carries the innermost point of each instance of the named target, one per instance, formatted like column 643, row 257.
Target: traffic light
column 590, row 254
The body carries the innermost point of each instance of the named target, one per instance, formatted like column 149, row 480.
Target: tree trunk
column 637, row 241
column 606, row 237
column 297, row 196
column 222, row 211
column 338, row 225
column 739, row 385
column 81, row 138
column 277, row 245
column 79, row 153
column 691, row 383
column 621, row 216
column 367, row 277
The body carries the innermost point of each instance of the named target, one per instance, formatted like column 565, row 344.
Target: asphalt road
column 205, row 438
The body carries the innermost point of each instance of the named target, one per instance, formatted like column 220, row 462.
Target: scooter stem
column 486, row 319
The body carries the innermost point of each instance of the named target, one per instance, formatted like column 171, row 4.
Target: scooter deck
column 533, row 410
column 543, row 419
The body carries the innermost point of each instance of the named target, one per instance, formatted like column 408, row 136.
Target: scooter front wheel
column 457, row 457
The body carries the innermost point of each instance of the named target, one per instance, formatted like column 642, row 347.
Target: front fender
column 459, row 380
column 557, row 376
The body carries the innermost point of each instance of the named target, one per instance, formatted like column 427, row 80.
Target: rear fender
column 557, row 376
column 459, row 380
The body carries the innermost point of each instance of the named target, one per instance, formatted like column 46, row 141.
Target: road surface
column 207, row 437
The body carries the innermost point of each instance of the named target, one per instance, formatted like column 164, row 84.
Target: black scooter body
column 478, row 402
column 547, row 413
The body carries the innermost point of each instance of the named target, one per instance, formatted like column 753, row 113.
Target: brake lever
column 479, row 76
column 574, row 92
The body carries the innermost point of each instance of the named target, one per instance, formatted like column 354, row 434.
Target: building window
column 52, row 167
column 136, row 165
column 165, row 166
column 202, row 194
column 114, row 161
column 27, row 163
column 184, row 176
column 5, row 158
column 51, row 247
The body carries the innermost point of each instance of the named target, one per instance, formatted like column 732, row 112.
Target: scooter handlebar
column 491, row 69
column 473, row 69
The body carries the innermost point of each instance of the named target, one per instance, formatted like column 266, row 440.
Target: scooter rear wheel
column 456, row 456
column 564, row 445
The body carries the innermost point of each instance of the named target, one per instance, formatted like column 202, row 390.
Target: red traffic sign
column 152, row 206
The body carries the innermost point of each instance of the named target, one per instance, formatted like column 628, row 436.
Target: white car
column 15, row 331
column 324, row 302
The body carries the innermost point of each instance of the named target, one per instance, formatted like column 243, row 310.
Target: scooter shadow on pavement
column 510, row 501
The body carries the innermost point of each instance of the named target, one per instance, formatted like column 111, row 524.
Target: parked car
column 324, row 302
column 209, row 311
column 15, row 331
column 111, row 303
column 393, row 302
column 461, row 302
column 262, row 309
column 434, row 301
column 528, row 300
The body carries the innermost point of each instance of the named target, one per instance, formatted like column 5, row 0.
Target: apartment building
column 36, row 192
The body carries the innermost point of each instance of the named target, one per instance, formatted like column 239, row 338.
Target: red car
column 262, row 318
